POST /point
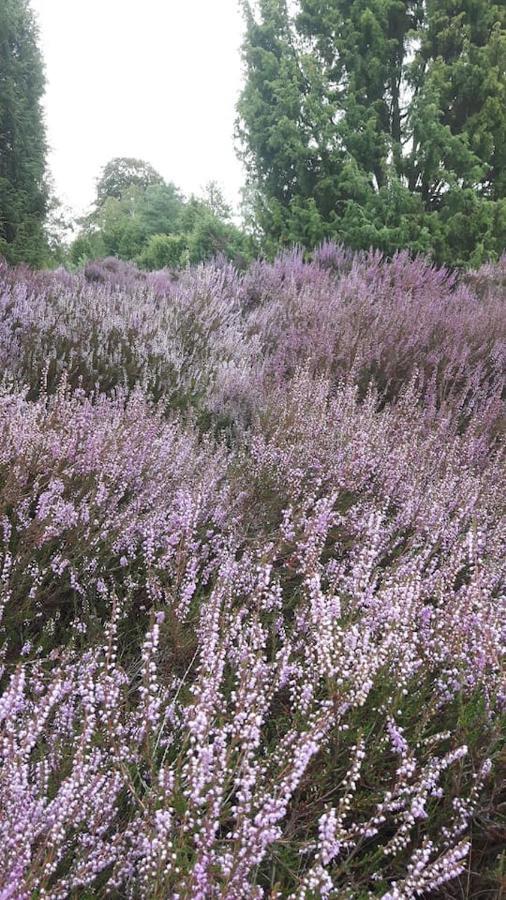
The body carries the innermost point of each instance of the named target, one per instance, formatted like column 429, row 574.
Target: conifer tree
column 378, row 122
column 23, row 189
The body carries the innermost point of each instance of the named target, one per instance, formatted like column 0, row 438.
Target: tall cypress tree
column 457, row 159
column 399, row 114
column 23, row 190
column 279, row 147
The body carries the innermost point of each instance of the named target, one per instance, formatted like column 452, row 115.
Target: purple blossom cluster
column 252, row 580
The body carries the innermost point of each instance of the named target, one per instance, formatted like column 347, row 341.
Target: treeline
column 374, row 123
column 139, row 216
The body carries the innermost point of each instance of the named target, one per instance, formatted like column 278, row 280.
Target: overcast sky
column 155, row 79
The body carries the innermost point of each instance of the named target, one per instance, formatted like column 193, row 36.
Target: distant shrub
column 165, row 251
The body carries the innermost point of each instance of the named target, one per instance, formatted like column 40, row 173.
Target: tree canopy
column 23, row 187
column 139, row 216
column 122, row 173
column 379, row 123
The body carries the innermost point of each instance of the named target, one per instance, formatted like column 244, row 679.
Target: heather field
column 252, row 581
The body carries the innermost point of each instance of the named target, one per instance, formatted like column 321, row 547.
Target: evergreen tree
column 378, row 122
column 23, row 190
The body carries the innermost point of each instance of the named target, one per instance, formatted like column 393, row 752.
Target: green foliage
column 23, row 189
column 161, row 209
column 165, row 251
column 86, row 246
column 378, row 123
column 212, row 236
column 215, row 201
column 122, row 173
column 149, row 221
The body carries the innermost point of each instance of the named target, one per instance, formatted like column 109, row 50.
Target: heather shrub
column 252, row 581
column 95, row 491
column 103, row 336
column 382, row 322
column 116, row 272
column 208, row 335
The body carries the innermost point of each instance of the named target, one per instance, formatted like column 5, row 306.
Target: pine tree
column 395, row 131
column 23, row 190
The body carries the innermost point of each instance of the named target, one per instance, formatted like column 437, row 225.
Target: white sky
column 154, row 79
